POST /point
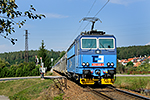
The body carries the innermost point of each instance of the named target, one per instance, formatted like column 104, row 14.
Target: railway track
column 111, row 93
column 100, row 94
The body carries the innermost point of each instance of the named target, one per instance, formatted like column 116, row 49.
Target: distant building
column 137, row 61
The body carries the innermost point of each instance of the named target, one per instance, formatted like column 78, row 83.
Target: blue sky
column 128, row 20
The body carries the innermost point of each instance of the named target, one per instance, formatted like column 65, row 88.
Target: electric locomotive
column 91, row 58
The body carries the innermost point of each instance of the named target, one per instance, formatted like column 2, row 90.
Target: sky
column 127, row 20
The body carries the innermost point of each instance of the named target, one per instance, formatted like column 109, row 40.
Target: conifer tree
column 43, row 53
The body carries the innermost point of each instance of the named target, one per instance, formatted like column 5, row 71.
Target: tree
column 43, row 53
column 62, row 54
column 3, row 63
column 130, row 63
column 9, row 13
column 13, row 71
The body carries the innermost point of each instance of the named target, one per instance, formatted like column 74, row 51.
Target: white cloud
column 52, row 15
column 148, row 43
column 124, row 2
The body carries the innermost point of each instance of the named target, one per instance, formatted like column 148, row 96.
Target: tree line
column 12, row 64
column 132, row 51
column 22, row 69
column 18, row 57
column 144, row 68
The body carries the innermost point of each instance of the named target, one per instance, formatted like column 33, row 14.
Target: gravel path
column 2, row 97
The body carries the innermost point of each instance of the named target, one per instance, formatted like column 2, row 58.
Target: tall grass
column 133, row 83
column 27, row 89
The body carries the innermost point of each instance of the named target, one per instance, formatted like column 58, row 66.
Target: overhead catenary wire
column 102, row 8
column 89, row 12
column 86, row 15
column 91, row 8
column 82, row 22
column 97, row 13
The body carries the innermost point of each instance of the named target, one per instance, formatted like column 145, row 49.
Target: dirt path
column 76, row 92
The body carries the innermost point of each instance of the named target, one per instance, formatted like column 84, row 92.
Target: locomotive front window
column 106, row 43
column 89, row 43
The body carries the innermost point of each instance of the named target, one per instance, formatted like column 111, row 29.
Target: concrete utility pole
column 26, row 46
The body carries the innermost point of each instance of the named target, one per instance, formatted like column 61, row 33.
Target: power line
column 91, row 8
column 102, row 8
column 86, row 15
column 97, row 13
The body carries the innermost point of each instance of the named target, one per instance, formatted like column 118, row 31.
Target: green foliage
column 144, row 68
column 43, row 53
column 9, row 15
column 61, row 55
column 22, row 69
column 130, row 63
column 14, row 61
column 120, row 68
column 132, row 51
column 17, row 57
column 4, row 63
column 60, row 97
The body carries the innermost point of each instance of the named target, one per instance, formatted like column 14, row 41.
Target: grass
column 49, row 73
column 133, row 83
column 59, row 97
column 27, row 89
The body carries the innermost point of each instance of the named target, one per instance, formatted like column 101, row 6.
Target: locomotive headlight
column 83, row 64
column 112, row 64
column 108, row 64
column 97, row 51
column 87, row 64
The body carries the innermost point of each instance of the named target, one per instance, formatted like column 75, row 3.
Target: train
column 91, row 58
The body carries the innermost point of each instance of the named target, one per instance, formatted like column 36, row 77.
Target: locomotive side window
column 106, row 43
column 89, row 43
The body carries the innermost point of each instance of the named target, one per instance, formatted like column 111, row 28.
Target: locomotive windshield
column 106, row 43
column 89, row 43
column 94, row 43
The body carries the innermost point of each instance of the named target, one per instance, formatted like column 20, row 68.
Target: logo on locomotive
column 98, row 61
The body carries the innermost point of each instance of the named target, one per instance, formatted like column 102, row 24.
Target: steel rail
column 101, row 94
column 129, row 93
column 132, row 94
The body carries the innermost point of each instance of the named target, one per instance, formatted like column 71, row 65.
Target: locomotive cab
column 97, row 56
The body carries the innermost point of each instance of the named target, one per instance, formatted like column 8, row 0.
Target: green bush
column 23, row 69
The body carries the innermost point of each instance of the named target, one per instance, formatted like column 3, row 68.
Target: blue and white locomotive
column 91, row 58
